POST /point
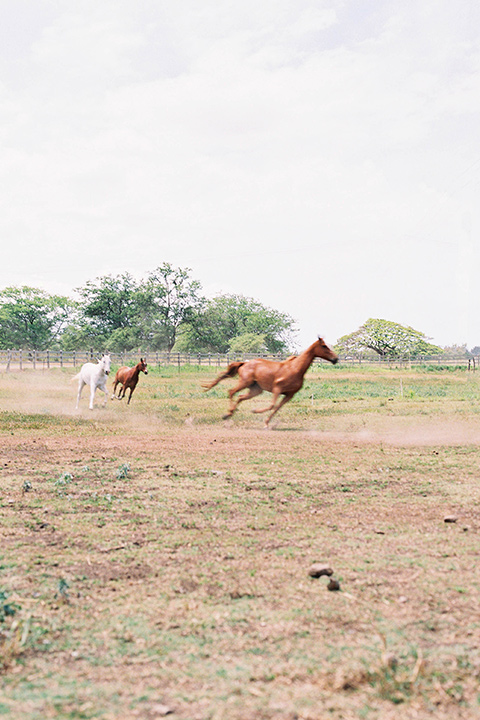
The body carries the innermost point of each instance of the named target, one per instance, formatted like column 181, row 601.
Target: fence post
column 61, row 358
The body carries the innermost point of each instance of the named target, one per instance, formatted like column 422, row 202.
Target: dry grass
column 158, row 557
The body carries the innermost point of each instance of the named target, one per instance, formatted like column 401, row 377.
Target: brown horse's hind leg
column 253, row 391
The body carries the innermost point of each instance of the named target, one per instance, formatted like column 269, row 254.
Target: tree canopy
column 223, row 320
column 168, row 299
column 166, row 310
column 31, row 318
column 387, row 339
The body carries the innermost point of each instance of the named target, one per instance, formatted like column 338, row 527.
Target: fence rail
column 15, row 360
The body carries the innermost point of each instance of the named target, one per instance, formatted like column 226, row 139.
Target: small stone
column 317, row 570
column 161, row 710
column 333, row 585
column 450, row 519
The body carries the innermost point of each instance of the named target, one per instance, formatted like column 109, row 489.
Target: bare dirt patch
column 157, row 564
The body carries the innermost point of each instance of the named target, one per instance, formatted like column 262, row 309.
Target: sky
column 320, row 156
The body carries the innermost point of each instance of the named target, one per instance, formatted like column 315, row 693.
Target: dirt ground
column 161, row 567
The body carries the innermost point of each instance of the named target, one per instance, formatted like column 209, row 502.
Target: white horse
column 94, row 375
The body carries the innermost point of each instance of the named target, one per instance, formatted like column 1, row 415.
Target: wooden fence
column 15, row 360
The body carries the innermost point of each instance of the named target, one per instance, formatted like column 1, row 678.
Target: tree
column 120, row 313
column 31, row 318
column 168, row 299
column 452, row 352
column 108, row 303
column 226, row 317
column 248, row 343
column 387, row 339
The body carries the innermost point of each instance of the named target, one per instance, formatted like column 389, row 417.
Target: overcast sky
column 322, row 157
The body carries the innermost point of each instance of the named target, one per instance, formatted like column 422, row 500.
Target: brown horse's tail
column 231, row 371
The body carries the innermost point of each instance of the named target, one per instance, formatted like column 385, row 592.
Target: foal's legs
column 253, row 391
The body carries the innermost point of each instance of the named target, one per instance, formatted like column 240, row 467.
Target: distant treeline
column 166, row 310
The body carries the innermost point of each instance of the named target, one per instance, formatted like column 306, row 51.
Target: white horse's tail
column 75, row 377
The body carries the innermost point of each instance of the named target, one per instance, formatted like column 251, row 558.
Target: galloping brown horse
column 128, row 378
column 280, row 378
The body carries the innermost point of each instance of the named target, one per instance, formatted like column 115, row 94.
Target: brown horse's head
column 322, row 350
column 143, row 366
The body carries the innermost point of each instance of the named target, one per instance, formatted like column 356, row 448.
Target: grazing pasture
column 154, row 559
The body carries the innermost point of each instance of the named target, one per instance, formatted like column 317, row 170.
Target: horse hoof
column 227, row 416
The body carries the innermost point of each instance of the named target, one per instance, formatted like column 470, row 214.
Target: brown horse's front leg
column 275, row 397
column 285, row 399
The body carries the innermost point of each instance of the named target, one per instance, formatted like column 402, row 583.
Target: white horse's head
column 105, row 363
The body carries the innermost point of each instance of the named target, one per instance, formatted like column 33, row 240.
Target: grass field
column 154, row 559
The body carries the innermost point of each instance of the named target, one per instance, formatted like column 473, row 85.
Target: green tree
column 120, row 313
column 168, row 299
column 387, row 339
column 32, row 318
column 248, row 343
column 108, row 303
column 226, row 317
column 456, row 351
